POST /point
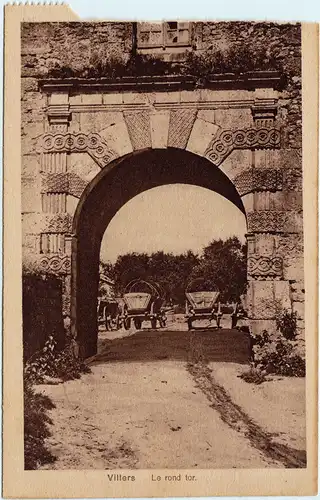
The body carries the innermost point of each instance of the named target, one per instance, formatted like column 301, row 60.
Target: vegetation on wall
column 202, row 65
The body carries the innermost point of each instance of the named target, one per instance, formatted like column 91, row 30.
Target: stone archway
column 237, row 136
column 107, row 193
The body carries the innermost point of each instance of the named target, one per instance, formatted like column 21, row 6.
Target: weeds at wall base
column 276, row 354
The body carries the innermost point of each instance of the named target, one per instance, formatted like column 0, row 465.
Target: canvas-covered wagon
column 143, row 301
column 202, row 303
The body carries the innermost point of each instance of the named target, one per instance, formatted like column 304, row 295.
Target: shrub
column 287, row 324
column 283, row 361
column 276, row 354
column 253, row 376
column 52, row 362
column 36, row 426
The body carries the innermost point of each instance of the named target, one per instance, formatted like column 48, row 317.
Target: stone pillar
column 275, row 249
column 45, row 220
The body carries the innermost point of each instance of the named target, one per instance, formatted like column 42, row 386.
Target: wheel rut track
column 237, row 419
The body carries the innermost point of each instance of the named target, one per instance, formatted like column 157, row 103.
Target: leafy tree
column 169, row 271
column 223, row 266
column 107, row 269
column 129, row 267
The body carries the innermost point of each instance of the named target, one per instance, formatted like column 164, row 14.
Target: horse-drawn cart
column 143, row 301
column 109, row 312
column 202, row 304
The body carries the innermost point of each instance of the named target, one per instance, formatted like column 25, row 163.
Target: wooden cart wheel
column 127, row 323
column 162, row 322
column 117, row 322
column 108, row 324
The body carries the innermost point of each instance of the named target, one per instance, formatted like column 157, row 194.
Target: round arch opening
column 112, row 188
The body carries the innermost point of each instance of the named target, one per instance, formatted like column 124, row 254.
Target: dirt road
column 152, row 402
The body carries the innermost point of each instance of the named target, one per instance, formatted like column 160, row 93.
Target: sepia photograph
column 163, row 287
column 163, row 250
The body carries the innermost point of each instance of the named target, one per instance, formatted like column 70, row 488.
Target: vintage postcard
column 160, row 257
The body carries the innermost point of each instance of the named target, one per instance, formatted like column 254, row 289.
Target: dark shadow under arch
column 114, row 186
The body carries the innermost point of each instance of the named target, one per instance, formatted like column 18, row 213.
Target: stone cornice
column 261, row 104
column 249, row 81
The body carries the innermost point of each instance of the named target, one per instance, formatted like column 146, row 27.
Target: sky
column 173, row 218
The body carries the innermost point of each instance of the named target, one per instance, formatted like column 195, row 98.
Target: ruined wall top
column 79, row 45
column 58, row 51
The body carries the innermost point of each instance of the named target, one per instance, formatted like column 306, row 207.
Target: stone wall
column 282, row 43
column 42, row 305
column 77, row 46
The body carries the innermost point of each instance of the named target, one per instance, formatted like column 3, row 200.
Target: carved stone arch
column 180, row 126
column 252, row 138
column 179, row 129
column 68, row 142
column 123, row 179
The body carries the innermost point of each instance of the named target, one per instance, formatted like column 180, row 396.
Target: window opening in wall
column 177, row 33
column 167, row 34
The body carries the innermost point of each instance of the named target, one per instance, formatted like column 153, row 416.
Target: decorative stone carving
column 59, row 223
column 52, row 243
column 266, row 221
column 138, row 124
column 259, row 265
column 264, row 113
column 54, row 162
column 253, row 179
column 57, row 264
column 55, row 183
column 76, row 185
column 252, row 138
column 54, row 203
column 59, row 116
column 90, row 143
column 69, row 183
column 274, row 221
column 180, row 126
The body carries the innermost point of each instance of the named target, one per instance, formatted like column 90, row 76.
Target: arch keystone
column 159, row 129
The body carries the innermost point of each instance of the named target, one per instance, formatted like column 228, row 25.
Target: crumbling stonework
column 76, row 130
